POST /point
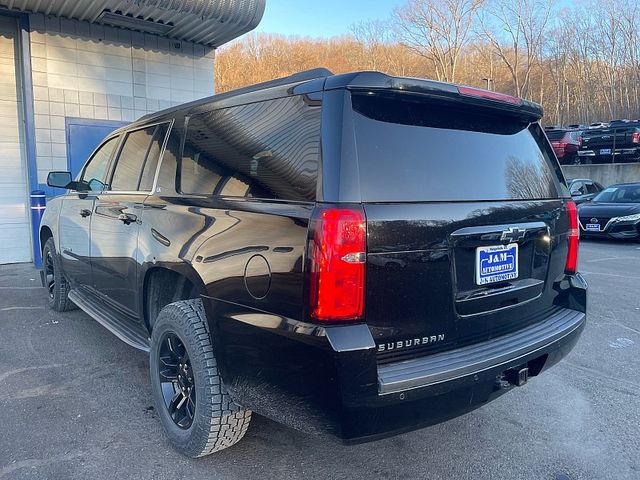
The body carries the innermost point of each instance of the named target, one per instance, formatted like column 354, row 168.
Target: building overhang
column 207, row 22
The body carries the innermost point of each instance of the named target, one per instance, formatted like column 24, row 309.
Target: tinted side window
column 577, row 188
column 591, row 188
column 269, row 149
column 138, row 159
column 95, row 172
column 166, row 184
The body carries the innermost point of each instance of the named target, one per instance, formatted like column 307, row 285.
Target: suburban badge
column 412, row 342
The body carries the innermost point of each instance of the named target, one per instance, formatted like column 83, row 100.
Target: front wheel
column 55, row 282
column 195, row 409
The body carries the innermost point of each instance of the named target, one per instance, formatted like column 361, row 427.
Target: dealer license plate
column 497, row 263
column 592, row 227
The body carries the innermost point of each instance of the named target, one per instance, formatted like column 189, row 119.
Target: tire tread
column 224, row 422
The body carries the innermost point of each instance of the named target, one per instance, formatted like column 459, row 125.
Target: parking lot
column 75, row 402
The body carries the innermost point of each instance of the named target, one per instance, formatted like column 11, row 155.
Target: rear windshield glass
column 555, row 134
column 412, row 150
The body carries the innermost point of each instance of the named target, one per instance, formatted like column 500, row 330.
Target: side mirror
column 59, row 179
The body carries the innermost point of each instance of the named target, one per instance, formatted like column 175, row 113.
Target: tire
column 57, row 285
column 211, row 421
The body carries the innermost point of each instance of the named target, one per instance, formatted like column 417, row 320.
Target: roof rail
column 296, row 77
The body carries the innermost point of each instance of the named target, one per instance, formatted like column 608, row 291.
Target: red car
column 565, row 144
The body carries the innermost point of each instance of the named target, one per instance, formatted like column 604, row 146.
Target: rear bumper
column 633, row 152
column 498, row 353
column 424, row 392
column 326, row 380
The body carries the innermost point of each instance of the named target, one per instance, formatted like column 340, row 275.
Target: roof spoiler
column 438, row 90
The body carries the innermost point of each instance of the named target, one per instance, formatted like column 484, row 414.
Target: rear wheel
column 56, row 284
column 195, row 409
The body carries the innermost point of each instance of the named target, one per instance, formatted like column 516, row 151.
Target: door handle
column 127, row 218
column 85, row 212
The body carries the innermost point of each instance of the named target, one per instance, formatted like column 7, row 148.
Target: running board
column 109, row 319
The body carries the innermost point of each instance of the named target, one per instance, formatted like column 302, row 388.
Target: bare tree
column 372, row 36
column 516, row 30
column 582, row 63
column 437, row 30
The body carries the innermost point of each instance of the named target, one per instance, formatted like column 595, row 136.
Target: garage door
column 15, row 235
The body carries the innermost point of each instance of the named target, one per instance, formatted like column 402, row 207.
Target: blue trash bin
column 38, row 205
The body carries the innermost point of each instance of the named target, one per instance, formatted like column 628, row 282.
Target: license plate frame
column 592, row 227
column 496, row 263
column 605, row 151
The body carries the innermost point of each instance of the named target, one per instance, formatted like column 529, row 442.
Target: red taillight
column 338, row 261
column 635, row 137
column 563, row 144
column 478, row 92
column 574, row 239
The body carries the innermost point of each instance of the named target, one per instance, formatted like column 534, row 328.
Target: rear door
column 118, row 216
column 466, row 231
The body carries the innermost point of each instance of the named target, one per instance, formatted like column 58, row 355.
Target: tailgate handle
column 509, row 233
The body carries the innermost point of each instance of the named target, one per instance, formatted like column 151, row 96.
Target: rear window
column 412, row 150
column 555, row 134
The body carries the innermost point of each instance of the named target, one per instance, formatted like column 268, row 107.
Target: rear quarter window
column 268, row 149
column 410, row 149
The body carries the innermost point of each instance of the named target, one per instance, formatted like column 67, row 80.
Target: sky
column 321, row 18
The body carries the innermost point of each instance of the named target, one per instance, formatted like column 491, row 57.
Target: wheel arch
column 163, row 284
column 45, row 234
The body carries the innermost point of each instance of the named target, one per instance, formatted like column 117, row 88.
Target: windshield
column 622, row 194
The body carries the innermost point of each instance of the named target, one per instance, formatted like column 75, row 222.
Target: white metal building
column 73, row 70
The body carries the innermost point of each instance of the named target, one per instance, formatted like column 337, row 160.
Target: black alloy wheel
column 181, row 363
column 176, row 380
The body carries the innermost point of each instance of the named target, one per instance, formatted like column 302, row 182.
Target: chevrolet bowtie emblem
column 513, row 234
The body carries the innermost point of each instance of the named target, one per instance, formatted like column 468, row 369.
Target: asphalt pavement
column 75, row 402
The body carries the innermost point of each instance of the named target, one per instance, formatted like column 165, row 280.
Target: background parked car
column 617, row 123
column 583, row 189
column 598, row 125
column 565, row 144
column 613, row 213
column 608, row 145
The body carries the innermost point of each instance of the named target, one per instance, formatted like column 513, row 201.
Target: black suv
column 356, row 255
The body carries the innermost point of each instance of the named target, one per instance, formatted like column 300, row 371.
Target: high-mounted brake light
column 571, row 266
column 478, row 92
column 338, row 262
